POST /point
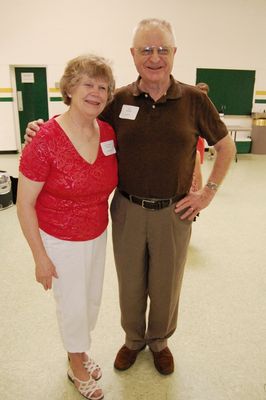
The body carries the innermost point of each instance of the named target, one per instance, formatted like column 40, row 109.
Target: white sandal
column 92, row 367
column 85, row 388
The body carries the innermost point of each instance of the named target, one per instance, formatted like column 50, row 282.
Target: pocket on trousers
column 118, row 208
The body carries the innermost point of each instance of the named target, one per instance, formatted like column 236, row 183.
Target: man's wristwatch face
column 212, row 185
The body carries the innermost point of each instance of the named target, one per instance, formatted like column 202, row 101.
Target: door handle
column 20, row 101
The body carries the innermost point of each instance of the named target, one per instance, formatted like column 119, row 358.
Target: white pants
column 78, row 289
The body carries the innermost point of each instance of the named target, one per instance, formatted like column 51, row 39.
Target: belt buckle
column 147, row 201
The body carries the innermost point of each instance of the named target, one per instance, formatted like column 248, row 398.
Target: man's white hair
column 150, row 23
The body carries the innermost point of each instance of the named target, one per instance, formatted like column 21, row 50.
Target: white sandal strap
column 91, row 367
column 86, row 388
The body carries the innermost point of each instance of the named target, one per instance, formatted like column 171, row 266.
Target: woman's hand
column 45, row 271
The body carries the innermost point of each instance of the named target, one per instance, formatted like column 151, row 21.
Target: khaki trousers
column 150, row 250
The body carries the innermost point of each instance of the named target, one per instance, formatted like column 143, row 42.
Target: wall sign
column 27, row 77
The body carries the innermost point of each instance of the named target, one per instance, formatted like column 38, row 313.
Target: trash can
column 6, row 198
column 258, row 135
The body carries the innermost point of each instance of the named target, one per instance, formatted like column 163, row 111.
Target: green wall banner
column 231, row 90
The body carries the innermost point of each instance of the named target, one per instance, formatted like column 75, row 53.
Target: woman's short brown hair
column 91, row 65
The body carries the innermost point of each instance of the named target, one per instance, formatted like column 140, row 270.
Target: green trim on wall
column 56, row 99
column 10, row 99
column 258, row 101
column 9, row 152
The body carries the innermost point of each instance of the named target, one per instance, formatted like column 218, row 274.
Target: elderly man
column 157, row 121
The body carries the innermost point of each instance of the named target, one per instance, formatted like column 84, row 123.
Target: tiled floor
column 220, row 344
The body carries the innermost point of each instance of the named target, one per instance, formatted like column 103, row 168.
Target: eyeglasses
column 149, row 50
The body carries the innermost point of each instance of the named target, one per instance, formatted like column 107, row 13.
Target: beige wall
column 210, row 33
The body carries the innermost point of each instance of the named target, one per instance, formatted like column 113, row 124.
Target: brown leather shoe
column 126, row 357
column 163, row 361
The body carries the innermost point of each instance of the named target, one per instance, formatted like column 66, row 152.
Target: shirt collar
column 173, row 92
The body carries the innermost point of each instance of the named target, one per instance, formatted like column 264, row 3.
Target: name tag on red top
column 108, row 147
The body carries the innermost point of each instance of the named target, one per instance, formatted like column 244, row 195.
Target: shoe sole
column 163, row 372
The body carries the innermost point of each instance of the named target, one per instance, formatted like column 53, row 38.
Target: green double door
column 32, row 99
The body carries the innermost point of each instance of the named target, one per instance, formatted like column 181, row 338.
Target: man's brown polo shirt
column 157, row 140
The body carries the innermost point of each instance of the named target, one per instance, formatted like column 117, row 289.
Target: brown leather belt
column 151, row 204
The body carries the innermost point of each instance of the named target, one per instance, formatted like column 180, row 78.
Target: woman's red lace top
column 73, row 203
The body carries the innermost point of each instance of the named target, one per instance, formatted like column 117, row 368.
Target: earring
column 69, row 95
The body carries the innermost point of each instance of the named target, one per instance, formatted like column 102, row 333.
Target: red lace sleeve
column 35, row 159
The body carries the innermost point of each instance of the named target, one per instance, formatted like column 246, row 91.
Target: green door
column 32, row 98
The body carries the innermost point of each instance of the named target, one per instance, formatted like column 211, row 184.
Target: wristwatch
column 212, row 185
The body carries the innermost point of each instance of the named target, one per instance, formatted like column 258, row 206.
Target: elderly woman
column 66, row 176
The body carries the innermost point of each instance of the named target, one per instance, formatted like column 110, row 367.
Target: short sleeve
column 211, row 126
column 35, row 158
